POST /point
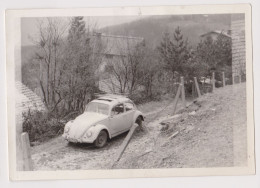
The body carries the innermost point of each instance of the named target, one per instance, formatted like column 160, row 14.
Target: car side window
column 118, row 109
column 129, row 106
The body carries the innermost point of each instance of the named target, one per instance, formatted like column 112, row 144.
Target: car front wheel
column 101, row 139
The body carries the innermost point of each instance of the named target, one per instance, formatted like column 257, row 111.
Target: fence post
column 193, row 90
column 233, row 79
column 27, row 160
column 213, row 81
column 223, row 79
column 177, row 96
column 197, row 87
column 183, row 92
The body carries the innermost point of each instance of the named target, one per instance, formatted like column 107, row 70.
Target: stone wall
column 238, row 46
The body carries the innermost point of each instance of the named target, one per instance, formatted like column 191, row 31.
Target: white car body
column 101, row 115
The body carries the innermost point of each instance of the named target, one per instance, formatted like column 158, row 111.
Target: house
column 215, row 34
column 112, row 49
column 26, row 99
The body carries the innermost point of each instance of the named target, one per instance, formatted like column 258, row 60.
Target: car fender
column 97, row 128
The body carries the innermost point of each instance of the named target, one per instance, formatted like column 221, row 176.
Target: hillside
column 211, row 132
column 151, row 28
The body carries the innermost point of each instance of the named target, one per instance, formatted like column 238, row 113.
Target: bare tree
column 125, row 68
column 49, row 43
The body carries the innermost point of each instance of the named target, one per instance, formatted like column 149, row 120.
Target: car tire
column 70, row 143
column 139, row 121
column 101, row 139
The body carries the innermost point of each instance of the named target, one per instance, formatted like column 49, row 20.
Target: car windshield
column 98, row 108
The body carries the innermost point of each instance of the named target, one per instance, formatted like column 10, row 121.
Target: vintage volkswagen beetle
column 103, row 119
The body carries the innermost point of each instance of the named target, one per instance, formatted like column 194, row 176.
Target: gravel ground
column 211, row 132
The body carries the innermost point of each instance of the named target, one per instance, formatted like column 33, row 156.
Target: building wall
column 238, row 47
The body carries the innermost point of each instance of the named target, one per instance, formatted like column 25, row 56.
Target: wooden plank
column 125, row 143
column 223, row 79
column 197, row 87
column 169, row 119
column 174, row 134
column 27, row 160
column 183, row 93
column 19, row 130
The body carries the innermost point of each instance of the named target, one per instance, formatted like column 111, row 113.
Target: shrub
column 142, row 97
column 41, row 126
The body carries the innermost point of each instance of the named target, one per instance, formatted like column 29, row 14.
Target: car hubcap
column 102, row 139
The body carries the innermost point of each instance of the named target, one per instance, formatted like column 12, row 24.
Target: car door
column 129, row 111
column 117, row 119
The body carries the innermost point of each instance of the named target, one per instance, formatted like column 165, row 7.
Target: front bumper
column 77, row 140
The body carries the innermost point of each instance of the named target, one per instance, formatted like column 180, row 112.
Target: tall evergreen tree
column 174, row 52
column 77, row 29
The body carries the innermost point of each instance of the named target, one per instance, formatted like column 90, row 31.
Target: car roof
column 111, row 99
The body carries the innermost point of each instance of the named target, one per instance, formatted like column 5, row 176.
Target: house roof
column 116, row 44
column 26, row 99
column 219, row 32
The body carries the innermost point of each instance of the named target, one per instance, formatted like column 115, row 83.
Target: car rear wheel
column 140, row 127
column 101, row 139
column 139, row 121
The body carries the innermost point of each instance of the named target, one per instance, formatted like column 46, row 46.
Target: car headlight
column 89, row 132
column 67, row 128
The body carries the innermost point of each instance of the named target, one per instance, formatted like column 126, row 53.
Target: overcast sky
column 29, row 25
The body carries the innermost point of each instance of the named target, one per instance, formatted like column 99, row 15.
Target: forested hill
column 152, row 28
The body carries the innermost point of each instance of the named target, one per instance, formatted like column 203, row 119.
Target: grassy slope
column 215, row 136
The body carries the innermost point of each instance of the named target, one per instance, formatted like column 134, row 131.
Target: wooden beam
column 27, row 160
column 19, row 150
column 183, row 93
column 223, row 79
column 125, row 143
column 197, row 87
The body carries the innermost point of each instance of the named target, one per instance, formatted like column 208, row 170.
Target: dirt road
column 209, row 133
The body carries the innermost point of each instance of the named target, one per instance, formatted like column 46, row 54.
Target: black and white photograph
column 153, row 93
